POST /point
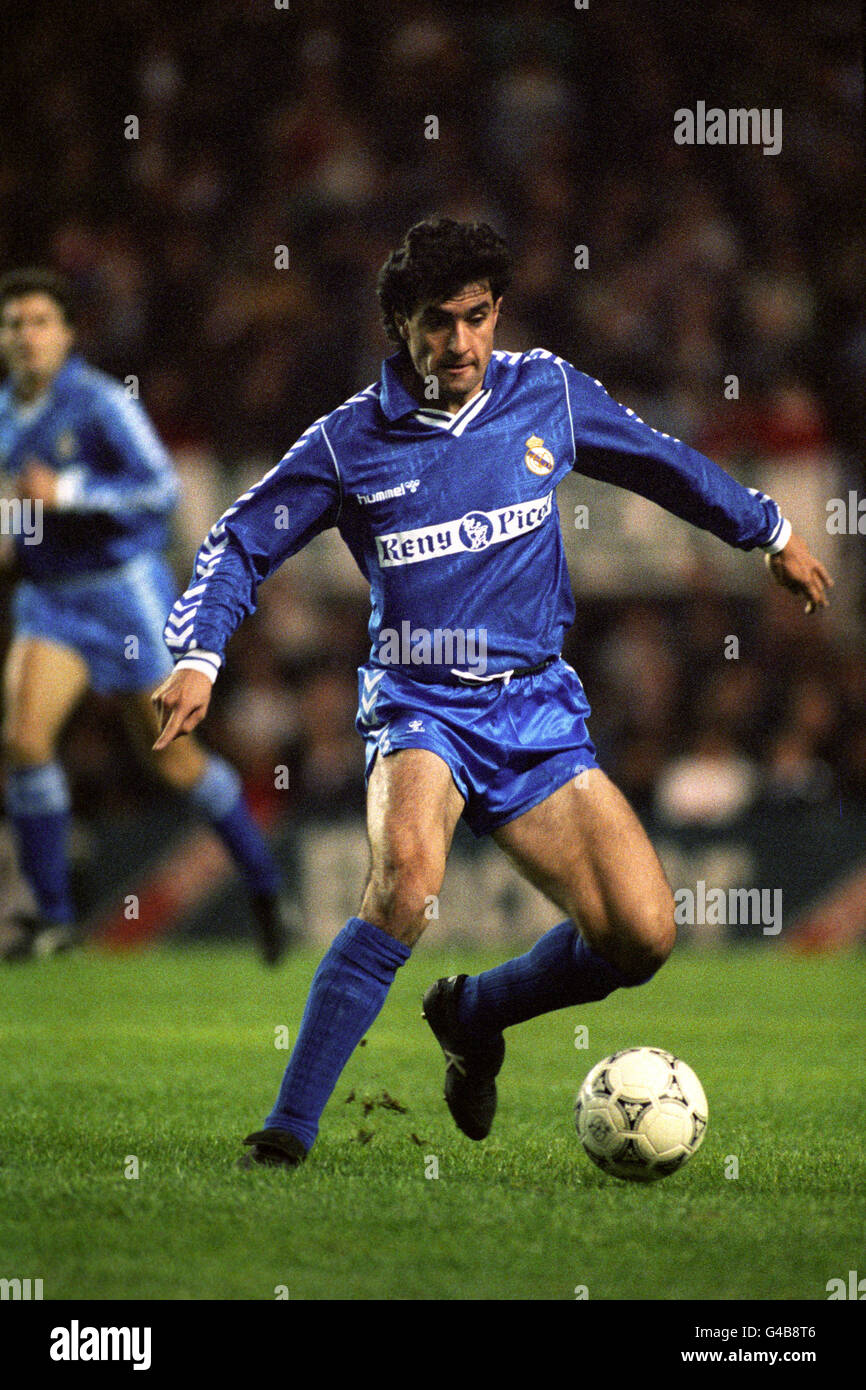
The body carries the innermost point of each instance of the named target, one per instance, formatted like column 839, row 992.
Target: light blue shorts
column 114, row 620
column 509, row 746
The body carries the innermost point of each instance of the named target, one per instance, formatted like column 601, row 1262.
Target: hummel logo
column 408, row 485
column 416, row 726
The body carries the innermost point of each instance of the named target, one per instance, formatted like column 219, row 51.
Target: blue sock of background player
column 37, row 800
column 218, row 796
column 352, row 982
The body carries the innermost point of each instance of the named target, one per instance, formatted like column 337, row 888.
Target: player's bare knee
column 649, row 957
column 639, row 945
column 402, row 920
column 654, row 940
column 399, row 897
column 399, row 892
column 25, row 748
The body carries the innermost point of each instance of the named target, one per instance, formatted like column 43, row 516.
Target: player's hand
column 39, row 482
column 796, row 568
column 181, row 703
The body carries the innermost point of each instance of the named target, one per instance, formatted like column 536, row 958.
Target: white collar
column 454, row 424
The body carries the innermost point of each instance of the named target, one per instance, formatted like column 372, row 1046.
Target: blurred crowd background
column 259, row 127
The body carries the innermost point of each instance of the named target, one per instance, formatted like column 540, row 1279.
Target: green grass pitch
column 169, row 1057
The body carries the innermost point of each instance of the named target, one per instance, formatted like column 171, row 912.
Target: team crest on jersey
column 65, row 445
column 538, row 459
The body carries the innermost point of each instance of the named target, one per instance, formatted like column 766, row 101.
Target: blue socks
column 37, row 800
column 38, row 804
column 218, row 796
column 561, row 969
column 347, row 993
column 353, row 979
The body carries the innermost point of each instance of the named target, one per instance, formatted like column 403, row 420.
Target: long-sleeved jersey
column 451, row 518
column 117, row 484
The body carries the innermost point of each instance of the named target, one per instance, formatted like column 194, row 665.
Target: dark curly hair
column 38, row 280
column 436, row 258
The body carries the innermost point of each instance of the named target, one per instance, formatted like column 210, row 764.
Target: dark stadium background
column 260, row 127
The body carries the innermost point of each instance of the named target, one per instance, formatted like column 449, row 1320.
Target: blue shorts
column 114, row 620
column 509, row 746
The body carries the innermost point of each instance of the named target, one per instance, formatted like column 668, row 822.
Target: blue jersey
column 117, row 483
column 452, row 518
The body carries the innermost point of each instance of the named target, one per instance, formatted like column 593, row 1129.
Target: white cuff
column 206, row 662
column 70, row 485
column 781, row 540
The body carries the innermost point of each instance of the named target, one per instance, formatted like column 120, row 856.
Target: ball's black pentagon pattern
column 633, row 1110
column 700, row 1125
column 602, row 1086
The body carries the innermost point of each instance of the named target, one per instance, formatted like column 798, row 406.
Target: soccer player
column 441, row 480
column 96, row 490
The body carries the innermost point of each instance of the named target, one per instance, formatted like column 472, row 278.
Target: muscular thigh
column 42, row 683
column 412, row 809
column 586, row 850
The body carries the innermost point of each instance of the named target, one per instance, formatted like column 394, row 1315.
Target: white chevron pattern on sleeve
column 181, row 621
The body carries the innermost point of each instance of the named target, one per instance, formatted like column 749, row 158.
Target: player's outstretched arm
column 181, row 702
column 796, row 568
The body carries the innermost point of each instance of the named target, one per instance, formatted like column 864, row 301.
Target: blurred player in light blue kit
column 441, row 479
column 96, row 490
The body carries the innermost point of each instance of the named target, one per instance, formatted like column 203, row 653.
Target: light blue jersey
column 92, row 577
column 117, row 483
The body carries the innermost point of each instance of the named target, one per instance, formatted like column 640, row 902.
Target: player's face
column 452, row 341
column 34, row 340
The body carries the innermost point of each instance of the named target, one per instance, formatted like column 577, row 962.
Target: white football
column 641, row 1114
